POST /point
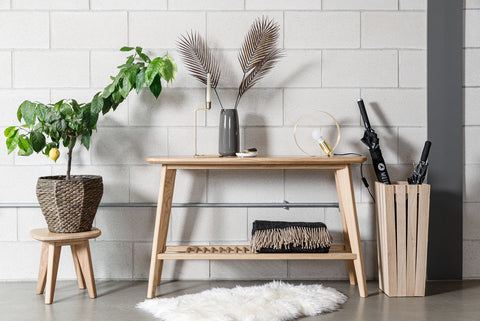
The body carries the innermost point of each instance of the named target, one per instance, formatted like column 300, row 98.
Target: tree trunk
column 70, row 149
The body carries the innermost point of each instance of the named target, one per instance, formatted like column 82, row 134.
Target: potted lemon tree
column 69, row 202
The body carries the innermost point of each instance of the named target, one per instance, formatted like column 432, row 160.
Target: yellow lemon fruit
column 54, row 154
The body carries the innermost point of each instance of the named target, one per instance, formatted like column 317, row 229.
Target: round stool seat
column 44, row 235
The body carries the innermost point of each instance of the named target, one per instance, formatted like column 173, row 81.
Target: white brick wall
column 336, row 51
column 97, row 30
column 6, row 67
column 46, row 69
column 24, row 30
column 471, row 215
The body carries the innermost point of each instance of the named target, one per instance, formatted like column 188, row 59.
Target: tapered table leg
column 52, row 268
column 164, row 206
column 85, row 261
column 78, row 269
column 346, row 199
column 42, row 270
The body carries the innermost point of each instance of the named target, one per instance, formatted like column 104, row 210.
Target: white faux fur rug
column 275, row 301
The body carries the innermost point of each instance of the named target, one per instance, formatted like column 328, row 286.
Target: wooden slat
column 249, row 162
column 256, row 256
column 411, row 238
column 378, row 210
column 266, row 166
column 382, row 221
column 400, row 193
column 391, row 240
column 422, row 239
column 234, row 248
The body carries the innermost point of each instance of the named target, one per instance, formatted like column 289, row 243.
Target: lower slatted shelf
column 242, row 252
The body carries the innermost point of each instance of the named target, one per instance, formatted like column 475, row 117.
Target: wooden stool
column 51, row 246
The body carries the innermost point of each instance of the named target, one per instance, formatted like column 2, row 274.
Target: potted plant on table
column 69, row 203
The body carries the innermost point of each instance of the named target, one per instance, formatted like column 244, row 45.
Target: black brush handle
column 426, row 151
column 363, row 112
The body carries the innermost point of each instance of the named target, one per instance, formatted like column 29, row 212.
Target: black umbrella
column 420, row 170
column 370, row 139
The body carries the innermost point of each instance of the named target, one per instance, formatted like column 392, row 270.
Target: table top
column 257, row 161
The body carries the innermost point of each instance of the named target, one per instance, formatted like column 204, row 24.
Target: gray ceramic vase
column 228, row 135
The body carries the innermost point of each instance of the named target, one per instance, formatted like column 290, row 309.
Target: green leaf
column 132, row 74
column 156, row 86
column 38, row 141
column 114, row 106
column 86, row 139
column 118, row 78
column 97, row 104
column 12, row 142
column 26, row 153
column 140, row 80
column 10, row 131
column 41, row 112
column 66, row 110
column 130, row 60
column 66, row 141
column 58, row 104
column 19, row 113
column 126, row 87
column 142, row 55
column 87, row 116
column 117, row 97
column 23, row 143
column 28, row 112
column 76, row 106
column 126, row 48
column 152, row 70
column 169, row 69
column 108, row 90
column 107, row 104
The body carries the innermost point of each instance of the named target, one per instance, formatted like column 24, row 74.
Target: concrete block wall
column 336, row 51
column 471, row 204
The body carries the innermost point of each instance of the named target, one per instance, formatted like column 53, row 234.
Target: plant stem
column 238, row 95
column 70, row 149
column 218, row 97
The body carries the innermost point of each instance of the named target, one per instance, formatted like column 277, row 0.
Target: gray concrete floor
column 450, row 300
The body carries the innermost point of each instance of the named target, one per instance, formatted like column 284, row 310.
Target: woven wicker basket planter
column 69, row 206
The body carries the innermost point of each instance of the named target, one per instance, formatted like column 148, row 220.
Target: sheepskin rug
column 270, row 302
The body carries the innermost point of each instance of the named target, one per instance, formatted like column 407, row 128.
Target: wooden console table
column 351, row 251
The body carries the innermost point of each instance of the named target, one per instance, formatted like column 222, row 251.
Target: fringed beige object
column 294, row 236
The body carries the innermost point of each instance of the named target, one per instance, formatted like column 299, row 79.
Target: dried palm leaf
column 258, row 43
column 198, row 58
column 260, row 70
column 258, row 54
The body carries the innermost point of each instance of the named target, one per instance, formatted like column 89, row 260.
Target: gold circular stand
column 308, row 114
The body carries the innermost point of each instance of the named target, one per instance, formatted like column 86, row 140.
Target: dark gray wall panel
column 445, row 117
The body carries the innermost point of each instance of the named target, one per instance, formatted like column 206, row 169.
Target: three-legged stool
column 51, row 246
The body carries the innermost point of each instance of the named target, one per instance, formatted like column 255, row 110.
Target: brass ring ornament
column 308, row 114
